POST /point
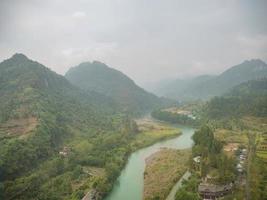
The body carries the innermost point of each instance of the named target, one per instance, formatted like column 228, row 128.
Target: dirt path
column 178, row 185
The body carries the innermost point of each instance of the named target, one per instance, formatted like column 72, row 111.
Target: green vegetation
column 258, row 167
column 173, row 117
column 246, row 99
column 239, row 116
column 58, row 141
column 163, row 170
column 213, row 160
column 97, row 76
column 41, row 115
column 149, row 137
column 258, row 179
column 188, row 191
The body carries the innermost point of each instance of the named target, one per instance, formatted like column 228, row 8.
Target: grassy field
column 163, row 170
column 262, row 154
column 152, row 131
column 233, row 136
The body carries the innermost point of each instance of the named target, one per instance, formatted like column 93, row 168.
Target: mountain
column 26, row 86
column 178, row 88
column 249, row 98
column 205, row 87
column 50, row 131
column 97, row 76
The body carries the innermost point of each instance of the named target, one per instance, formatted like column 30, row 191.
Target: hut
column 212, row 191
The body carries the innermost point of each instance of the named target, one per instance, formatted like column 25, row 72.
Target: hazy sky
column 148, row 40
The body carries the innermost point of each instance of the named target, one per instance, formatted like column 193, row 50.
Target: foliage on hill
column 86, row 123
column 99, row 77
column 188, row 191
column 212, row 157
column 213, row 162
column 173, row 117
column 246, row 99
column 206, row 87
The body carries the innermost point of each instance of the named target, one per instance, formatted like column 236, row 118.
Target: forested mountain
column 41, row 114
column 248, row 98
column 97, row 76
column 23, row 81
column 205, row 87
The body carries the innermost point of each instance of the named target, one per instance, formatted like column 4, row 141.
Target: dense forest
column 53, row 134
column 97, row 76
column 245, row 99
column 174, row 117
column 213, row 161
column 212, row 157
column 43, row 114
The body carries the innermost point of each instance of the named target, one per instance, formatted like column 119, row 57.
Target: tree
column 184, row 195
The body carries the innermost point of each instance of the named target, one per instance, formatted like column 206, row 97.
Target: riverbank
column 149, row 132
column 130, row 184
column 163, row 170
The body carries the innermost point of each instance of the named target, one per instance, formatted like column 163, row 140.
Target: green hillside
column 245, row 99
column 41, row 115
column 97, row 76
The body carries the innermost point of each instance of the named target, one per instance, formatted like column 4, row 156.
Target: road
column 178, row 185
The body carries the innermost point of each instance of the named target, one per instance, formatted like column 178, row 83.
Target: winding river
column 130, row 183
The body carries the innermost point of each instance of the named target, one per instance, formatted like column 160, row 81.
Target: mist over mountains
column 90, row 110
column 207, row 86
column 98, row 77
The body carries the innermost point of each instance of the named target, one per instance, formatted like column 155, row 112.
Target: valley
column 133, row 100
column 130, row 183
column 80, row 136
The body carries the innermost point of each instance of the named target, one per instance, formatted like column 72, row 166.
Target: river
column 130, row 183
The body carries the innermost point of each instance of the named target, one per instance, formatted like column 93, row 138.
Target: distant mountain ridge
column 97, row 76
column 205, row 86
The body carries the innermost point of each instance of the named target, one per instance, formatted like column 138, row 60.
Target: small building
column 212, row 191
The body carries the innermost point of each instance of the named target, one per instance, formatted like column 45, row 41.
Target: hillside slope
column 249, row 98
column 42, row 114
column 99, row 77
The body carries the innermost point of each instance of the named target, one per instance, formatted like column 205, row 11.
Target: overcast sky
column 148, row 40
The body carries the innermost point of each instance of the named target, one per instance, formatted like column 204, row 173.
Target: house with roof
column 212, row 191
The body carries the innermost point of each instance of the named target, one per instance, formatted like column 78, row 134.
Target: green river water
column 130, row 183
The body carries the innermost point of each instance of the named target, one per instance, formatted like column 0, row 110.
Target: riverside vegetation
column 56, row 140
column 61, row 137
column 163, row 170
column 237, row 117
